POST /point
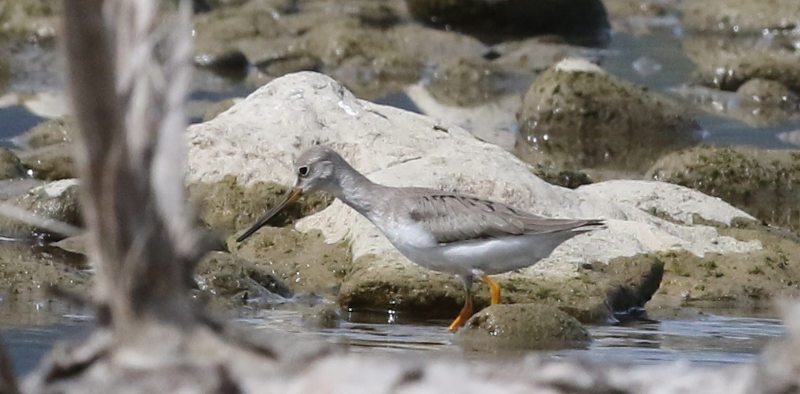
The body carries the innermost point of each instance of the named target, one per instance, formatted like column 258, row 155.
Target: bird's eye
column 302, row 171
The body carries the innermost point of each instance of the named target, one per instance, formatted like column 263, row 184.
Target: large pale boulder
column 258, row 139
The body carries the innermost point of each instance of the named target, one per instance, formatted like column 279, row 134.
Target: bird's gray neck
column 355, row 189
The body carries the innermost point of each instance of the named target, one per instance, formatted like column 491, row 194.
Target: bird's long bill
column 293, row 196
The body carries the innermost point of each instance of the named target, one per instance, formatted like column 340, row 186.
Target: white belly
column 491, row 257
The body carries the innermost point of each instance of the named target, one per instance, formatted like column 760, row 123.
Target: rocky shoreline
column 670, row 244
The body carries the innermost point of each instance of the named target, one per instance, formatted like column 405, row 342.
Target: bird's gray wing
column 456, row 218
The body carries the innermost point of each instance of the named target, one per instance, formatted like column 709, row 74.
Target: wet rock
column 28, row 272
column 768, row 93
column 727, row 63
column 741, row 15
column 51, row 162
column 398, row 148
column 322, row 316
column 10, row 165
column 761, row 182
column 302, row 260
column 50, row 132
column 29, row 18
column 757, row 103
column 582, row 21
column 521, row 327
column 576, row 116
column 748, row 281
column 240, row 281
column 465, row 83
column 57, row 200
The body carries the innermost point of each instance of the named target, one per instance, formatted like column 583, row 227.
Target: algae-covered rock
column 764, row 183
column 753, row 280
column 228, row 206
column 521, row 327
column 576, row 116
column 57, row 200
column 51, row 162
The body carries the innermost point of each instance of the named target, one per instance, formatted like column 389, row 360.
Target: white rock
column 258, row 139
column 680, row 203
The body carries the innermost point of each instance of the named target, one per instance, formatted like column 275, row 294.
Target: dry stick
column 140, row 242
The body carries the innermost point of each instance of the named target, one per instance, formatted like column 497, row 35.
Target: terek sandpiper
column 462, row 235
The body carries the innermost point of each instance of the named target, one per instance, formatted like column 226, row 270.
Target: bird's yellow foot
column 466, row 313
column 494, row 288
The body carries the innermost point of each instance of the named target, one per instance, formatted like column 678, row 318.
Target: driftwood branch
column 129, row 107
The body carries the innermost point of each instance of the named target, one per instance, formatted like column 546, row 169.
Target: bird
column 447, row 232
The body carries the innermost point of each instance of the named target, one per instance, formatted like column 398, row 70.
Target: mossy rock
column 764, row 183
column 522, row 327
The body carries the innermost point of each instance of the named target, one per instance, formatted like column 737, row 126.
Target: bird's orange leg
column 494, row 288
column 466, row 313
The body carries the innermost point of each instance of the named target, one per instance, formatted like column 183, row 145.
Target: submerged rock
column 583, row 21
column 576, row 116
column 764, row 183
column 522, row 327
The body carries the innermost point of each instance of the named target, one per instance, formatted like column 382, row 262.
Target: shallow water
column 707, row 340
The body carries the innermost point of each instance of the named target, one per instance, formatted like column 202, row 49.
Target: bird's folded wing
column 455, row 218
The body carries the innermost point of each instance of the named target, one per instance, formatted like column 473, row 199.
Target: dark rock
column 581, row 21
column 575, row 116
column 521, row 327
